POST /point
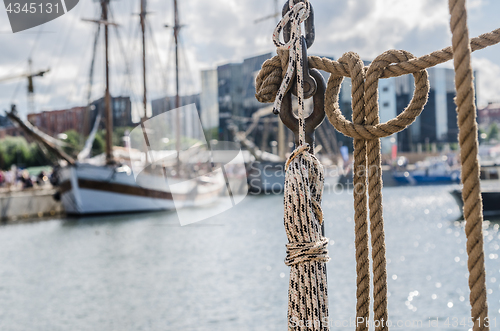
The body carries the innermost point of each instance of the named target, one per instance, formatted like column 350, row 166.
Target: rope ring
column 374, row 72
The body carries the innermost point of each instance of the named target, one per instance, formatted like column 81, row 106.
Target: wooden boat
column 87, row 189
column 113, row 187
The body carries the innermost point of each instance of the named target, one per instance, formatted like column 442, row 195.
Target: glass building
column 233, row 86
column 189, row 116
column 437, row 125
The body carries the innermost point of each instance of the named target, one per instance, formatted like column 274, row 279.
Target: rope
column 306, row 251
column 307, row 248
column 471, row 192
column 366, row 132
column 296, row 15
column 355, row 64
column 269, row 78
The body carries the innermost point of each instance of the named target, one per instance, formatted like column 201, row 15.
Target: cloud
column 488, row 85
column 218, row 32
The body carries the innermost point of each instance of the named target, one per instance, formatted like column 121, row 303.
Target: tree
column 16, row 150
column 99, row 144
column 493, row 131
column 73, row 142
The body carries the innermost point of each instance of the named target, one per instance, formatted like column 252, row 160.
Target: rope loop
column 373, row 73
column 297, row 14
column 307, row 251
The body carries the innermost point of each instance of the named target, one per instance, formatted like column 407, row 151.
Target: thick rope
column 367, row 162
column 371, row 131
column 269, row 78
column 355, row 65
column 307, row 248
column 471, row 192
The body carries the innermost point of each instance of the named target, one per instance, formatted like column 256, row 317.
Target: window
column 386, row 104
column 385, row 89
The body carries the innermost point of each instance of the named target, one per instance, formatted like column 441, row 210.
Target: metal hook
column 310, row 84
column 314, row 119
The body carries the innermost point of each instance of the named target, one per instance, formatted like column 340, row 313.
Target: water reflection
column 146, row 272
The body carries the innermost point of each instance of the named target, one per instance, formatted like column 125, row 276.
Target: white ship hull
column 87, row 189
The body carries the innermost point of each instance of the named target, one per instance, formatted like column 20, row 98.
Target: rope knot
column 365, row 96
column 307, row 251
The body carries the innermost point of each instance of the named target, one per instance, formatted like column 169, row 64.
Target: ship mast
column 176, row 29
column 31, row 97
column 107, row 96
column 143, row 29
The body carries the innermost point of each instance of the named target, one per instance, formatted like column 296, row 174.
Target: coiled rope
column 309, row 247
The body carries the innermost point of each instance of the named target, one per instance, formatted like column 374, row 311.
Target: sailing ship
column 87, row 188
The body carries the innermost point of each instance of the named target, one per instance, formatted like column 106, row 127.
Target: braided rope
column 297, row 14
column 307, row 248
column 471, row 192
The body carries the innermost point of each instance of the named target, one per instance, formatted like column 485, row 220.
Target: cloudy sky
column 217, row 32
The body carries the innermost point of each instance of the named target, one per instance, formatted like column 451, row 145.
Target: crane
column 31, row 88
column 275, row 15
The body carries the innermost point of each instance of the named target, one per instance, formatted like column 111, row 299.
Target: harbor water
column 146, row 272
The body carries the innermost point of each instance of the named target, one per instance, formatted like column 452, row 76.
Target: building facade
column 4, row 121
column 58, row 121
column 234, row 88
column 81, row 119
column 209, row 103
column 121, row 108
column 437, row 125
column 489, row 114
column 236, row 92
column 188, row 112
column 162, row 105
